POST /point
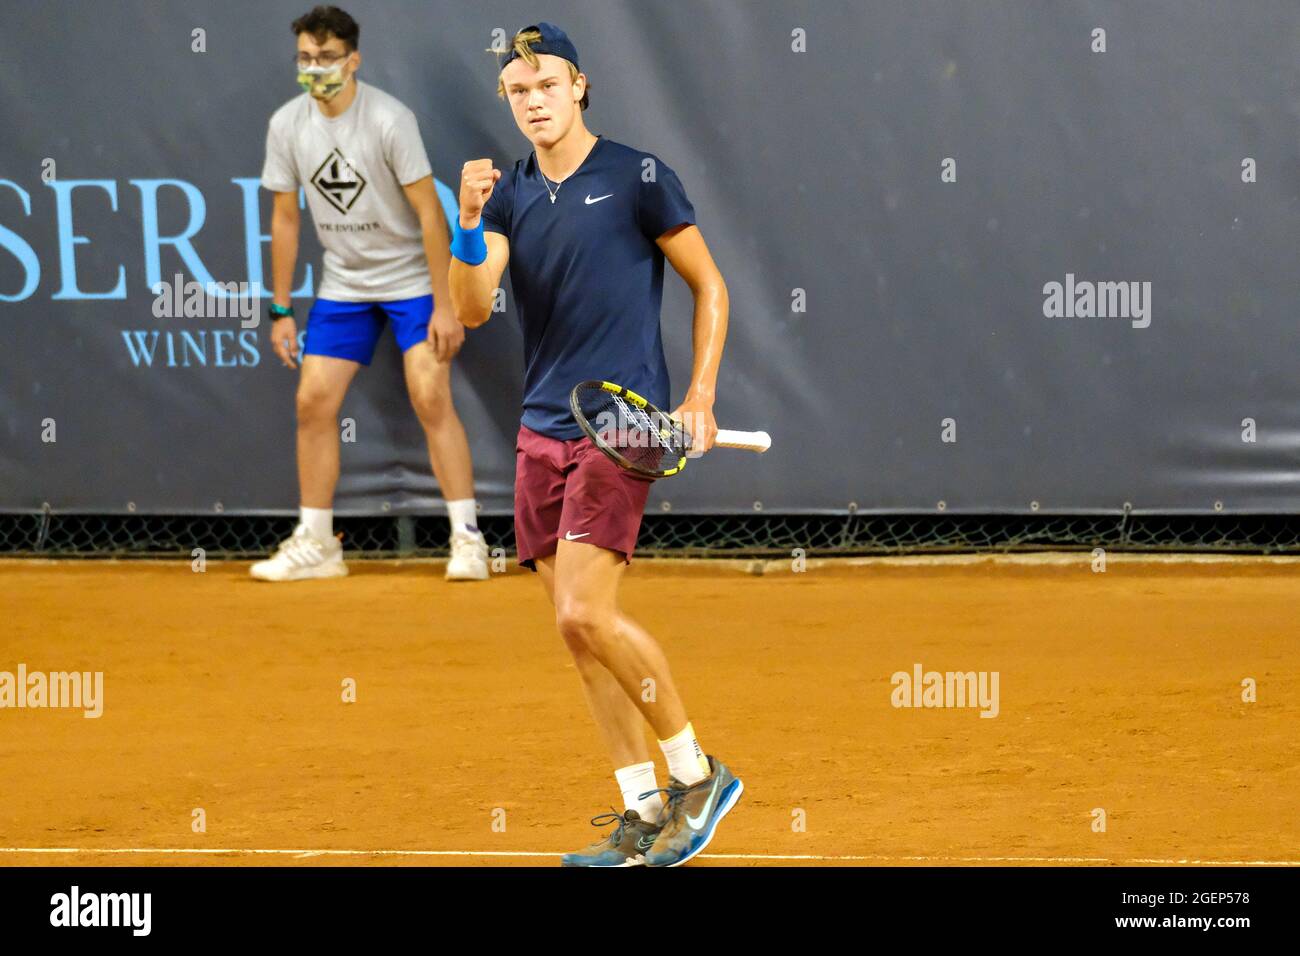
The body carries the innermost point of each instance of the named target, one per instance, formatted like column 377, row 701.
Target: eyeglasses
column 303, row 61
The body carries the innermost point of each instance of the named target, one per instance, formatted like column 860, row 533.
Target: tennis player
column 585, row 225
column 358, row 155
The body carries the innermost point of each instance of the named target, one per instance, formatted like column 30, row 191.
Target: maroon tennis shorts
column 569, row 489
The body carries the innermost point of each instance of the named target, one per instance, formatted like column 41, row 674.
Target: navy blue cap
column 554, row 41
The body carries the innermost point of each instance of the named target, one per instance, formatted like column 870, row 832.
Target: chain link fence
column 50, row 534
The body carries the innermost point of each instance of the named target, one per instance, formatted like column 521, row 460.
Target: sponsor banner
column 977, row 261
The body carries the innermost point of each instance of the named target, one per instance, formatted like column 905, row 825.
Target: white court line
column 878, row 858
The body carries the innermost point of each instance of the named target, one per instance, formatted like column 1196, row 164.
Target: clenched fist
column 477, row 177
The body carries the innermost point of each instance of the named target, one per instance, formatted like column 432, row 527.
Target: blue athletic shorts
column 350, row 330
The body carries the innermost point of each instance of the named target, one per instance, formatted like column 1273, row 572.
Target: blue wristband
column 467, row 245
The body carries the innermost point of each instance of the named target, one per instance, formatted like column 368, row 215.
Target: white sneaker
column 300, row 557
column 469, row 554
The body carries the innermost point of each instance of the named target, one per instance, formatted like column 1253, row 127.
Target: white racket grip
column 749, row 441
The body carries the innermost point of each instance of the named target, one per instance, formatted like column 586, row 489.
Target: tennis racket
column 640, row 437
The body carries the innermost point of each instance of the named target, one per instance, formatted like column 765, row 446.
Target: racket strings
column 652, row 442
column 638, row 416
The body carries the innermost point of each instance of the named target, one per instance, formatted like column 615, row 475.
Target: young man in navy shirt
column 585, row 225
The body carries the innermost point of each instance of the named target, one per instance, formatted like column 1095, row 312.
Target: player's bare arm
column 686, row 251
column 445, row 333
column 473, row 286
column 284, row 259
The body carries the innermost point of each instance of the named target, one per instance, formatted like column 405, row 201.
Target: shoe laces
column 675, row 794
column 604, row 820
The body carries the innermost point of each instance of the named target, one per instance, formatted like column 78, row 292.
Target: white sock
column 686, row 760
column 635, row 780
column 463, row 513
column 319, row 521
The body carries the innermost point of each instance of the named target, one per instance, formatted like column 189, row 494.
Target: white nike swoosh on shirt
column 570, row 536
column 597, row 199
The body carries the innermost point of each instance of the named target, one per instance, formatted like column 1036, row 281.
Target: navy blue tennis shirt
column 588, row 278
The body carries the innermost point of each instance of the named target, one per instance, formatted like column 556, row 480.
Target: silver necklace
column 550, row 192
column 556, row 191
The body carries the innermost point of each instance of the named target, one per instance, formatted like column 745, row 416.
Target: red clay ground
column 1119, row 690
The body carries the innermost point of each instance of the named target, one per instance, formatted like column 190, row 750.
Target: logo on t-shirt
column 339, row 181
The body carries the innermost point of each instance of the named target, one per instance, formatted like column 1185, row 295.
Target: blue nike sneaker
column 692, row 814
column 625, row 846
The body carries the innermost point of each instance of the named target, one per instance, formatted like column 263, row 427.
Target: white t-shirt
column 353, row 168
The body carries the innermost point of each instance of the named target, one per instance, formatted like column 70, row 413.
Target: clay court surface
column 1119, row 690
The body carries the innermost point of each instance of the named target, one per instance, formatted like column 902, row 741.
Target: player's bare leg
column 702, row 790
column 589, row 620
column 622, row 728
column 428, row 382
column 620, row 723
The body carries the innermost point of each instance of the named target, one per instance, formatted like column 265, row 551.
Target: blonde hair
column 522, row 45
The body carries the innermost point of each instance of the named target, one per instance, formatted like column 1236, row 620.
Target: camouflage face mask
column 322, row 82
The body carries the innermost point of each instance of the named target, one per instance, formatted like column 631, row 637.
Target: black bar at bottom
column 537, row 905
